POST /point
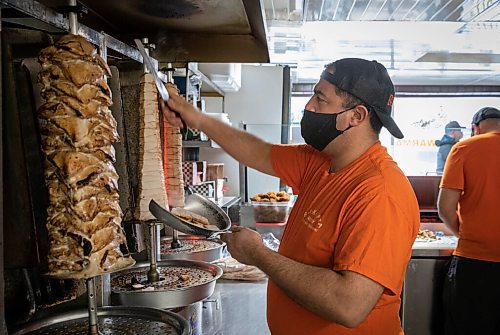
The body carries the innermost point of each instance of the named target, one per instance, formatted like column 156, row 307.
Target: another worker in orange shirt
column 468, row 204
column 343, row 256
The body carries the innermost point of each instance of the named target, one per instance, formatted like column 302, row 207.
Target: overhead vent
column 227, row 76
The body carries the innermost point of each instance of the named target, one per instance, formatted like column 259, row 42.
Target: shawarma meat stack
column 151, row 177
column 172, row 159
column 78, row 132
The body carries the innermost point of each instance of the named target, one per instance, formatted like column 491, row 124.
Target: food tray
column 171, row 291
column 112, row 321
column 197, row 204
column 193, row 248
column 268, row 212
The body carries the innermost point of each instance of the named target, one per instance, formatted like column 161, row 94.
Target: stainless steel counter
column 421, row 311
column 235, row 307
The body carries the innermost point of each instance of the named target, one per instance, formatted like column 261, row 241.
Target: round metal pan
column 187, row 252
column 112, row 321
column 165, row 297
column 197, row 204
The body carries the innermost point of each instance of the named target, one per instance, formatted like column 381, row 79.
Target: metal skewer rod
column 92, row 306
column 153, row 274
column 175, row 240
column 73, row 19
column 145, row 41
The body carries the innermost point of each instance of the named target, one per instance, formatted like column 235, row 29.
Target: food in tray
column 196, row 219
column 77, row 132
column 271, row 206
column 185, row 277
column 280, row 196
column 171, row 278
column 188, row 246
column 426, row 235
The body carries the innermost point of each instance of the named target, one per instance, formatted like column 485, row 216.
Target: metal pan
column 193, row 248
column 166, row 293
column 112, row 321
column 197, row 204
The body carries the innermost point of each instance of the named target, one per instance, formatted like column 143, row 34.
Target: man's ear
column 475, row 129
column 360, row 114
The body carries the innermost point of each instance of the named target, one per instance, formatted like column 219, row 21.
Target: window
column 422, row 121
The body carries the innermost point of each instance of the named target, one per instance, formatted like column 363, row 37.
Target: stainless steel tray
column 112, row 321
column 188, row 252
column 197, row 204
column 160, row 297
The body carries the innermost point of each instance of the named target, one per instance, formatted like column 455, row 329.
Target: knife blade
column 159, row 84
column 149, row 65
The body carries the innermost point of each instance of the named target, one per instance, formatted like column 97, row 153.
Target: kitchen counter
column 442, row 247
column 235, row 307
column 422, row 311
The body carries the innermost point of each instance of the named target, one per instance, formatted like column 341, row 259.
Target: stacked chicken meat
column 78, row 132
column 151, row 178
column 160, row 176
column 172, row 159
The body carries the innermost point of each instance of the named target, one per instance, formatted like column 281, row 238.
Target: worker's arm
column 447, row 207
column 344, row 297
column 242, row 146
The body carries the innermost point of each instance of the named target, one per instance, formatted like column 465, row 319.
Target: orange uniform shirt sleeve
column 453, row 174
column 375, row 240
column 289, row 163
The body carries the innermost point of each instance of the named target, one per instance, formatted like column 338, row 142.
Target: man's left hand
column 244, row 244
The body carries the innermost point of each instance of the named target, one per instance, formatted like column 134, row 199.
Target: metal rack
column 62, row 22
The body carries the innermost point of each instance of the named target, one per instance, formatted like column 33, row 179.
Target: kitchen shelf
column 199, row 144
column 216, row 90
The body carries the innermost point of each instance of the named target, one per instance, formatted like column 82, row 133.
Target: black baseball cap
column 485, row 113
column 368, row 81
column 453, row 125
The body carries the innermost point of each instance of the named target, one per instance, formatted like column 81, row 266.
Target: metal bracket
column 79, row 9
column 56, row 19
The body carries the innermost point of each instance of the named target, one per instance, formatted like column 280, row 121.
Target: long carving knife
column 149, row 65
column 159, row 84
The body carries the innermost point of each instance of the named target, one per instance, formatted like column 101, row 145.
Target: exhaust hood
column 214, row 31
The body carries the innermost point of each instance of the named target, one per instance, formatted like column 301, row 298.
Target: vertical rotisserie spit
column 78, row 132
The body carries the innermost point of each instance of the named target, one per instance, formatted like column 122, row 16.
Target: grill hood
column 220, row 31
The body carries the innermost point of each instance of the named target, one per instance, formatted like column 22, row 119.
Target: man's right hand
column 177, row 107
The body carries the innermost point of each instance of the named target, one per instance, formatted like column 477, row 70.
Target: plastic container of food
column 271, row 212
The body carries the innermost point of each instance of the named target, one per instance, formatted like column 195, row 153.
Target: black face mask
column 319, row 129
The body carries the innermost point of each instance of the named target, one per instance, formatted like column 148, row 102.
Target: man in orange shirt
column 344, row 252
column 468, row 204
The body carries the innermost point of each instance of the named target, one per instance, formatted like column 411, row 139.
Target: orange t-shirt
column 363, row 218
column 473, row 166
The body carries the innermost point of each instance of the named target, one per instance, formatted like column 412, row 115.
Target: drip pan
column 193, row 248
column 112, row 321
column 181, row 283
